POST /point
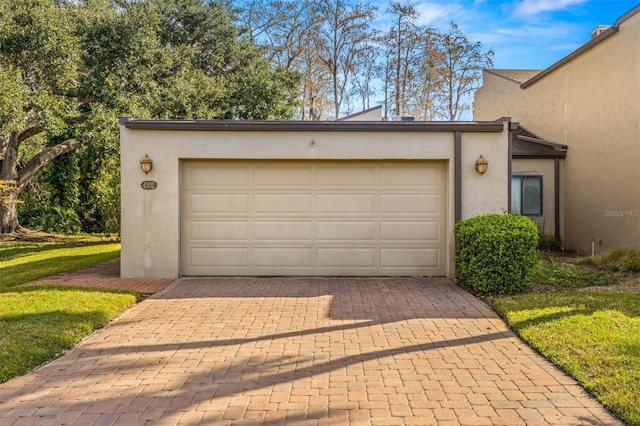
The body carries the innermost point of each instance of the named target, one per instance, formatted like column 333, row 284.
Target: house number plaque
column 149, row 184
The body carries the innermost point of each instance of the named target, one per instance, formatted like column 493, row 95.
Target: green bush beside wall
column 496, row 253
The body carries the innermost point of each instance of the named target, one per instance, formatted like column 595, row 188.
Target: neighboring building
column 346, row 197
column 588, row 101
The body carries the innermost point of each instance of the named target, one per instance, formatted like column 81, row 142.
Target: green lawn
column 38, row 323
column 594, row 337
column 24, row 261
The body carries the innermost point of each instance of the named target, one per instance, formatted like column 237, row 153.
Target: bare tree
column 423, row 73
column 363, row 82
column 427, row 83
column 460, row 68
column 402, row 39
column 410, row 80
column 342, row 41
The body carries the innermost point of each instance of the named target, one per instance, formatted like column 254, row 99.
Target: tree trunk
column 9, row 222
column 9, row 215
column 8, row 173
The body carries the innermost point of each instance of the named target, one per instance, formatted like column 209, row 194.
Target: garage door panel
column 279, row 176
column 202, row 175
column 409, row 257
column 412, row 176
column 294, row 257
column 313, row 218
column 211, row 230
column 353, row 203
column 282, row 203
column 273, row 230
column 351, row 257
column 208, row 257
column 346, row 230
column 415, row 203
column 217, row 203
column 426, row 231
column 345, row 176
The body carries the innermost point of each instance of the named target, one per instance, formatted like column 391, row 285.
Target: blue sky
column 525, row 34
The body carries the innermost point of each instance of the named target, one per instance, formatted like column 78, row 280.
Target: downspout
column 512, row 128
column 458, row 176
column 556, row 194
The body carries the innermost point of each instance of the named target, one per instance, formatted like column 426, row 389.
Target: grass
column 553, row 273
column 594, row 337
column 24, row 261
column 623, row 260
column 38, row 324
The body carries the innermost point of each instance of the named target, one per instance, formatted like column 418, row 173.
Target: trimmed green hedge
column 496, row 253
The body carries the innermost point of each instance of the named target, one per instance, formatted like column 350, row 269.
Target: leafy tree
column 69, row 68
column 38, row 66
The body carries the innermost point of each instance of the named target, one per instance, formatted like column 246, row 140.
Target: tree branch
column 77, row 119
column 43, row 157
column 32, row 131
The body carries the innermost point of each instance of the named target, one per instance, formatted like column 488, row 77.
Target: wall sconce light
column 481, row 165
column 146, row 164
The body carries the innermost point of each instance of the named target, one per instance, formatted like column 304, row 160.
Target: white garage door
column 363, row 218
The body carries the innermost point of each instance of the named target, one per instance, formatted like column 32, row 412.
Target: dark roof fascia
column 571, row 56
column 497, row 73
column 560, row 151
column 315, row 126
column 562, row 155
column 554, row 145
column 628, row 15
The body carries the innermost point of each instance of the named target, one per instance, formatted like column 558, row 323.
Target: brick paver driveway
column 302, row 351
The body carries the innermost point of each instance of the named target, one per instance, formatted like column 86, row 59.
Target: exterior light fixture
column 481, row 165
column 146, row 164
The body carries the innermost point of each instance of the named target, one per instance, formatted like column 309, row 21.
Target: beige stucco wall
column 590, row 104
column 151, row 218
column 544, row 168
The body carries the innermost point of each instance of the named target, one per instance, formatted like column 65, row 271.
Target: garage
column 320, row 218
column 297, row 198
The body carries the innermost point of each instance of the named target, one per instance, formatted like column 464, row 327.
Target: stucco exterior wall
column 488, row 193
column 544, row 168
column 151, row 218
column 590, row 104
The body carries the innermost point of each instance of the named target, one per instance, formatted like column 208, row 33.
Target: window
column 526, row 195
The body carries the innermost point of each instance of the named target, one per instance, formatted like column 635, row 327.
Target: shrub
column 496, row 253
column 56, row 219
column 547, row 242
column 623, row 260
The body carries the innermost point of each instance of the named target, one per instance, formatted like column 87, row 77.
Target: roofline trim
column 560, row 155
column 316, row 126
column 557, row 146
column 496, row 72
column 366, row 111
column 579, row 51
column 628, row 15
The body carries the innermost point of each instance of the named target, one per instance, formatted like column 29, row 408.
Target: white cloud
column 533, row 7
column 432, row 13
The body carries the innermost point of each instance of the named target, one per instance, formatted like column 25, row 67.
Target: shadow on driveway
column 303, row 351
